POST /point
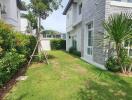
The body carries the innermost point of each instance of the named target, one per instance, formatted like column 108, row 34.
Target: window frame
column 90, row 45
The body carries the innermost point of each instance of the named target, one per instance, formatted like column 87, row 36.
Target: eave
column 68, row 6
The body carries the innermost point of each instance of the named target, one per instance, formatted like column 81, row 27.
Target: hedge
column 15, row 50
column 58, row 44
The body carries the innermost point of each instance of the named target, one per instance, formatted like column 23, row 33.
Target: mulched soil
column 8, row 86
column 125, row 75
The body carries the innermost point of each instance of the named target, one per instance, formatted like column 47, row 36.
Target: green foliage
column 119, row 29
column 6, row 37
column 58, row 44
column 9, row 64
column 73, row 51
column 40, row 57
column 24, row 44
column 112, row 64
column 15, row 49
column 125, row 60
column 42, row 8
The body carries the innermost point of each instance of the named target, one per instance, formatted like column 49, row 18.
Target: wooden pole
column 38, row 44
column 31, row 57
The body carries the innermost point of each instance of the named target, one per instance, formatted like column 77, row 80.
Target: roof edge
column 67, row 7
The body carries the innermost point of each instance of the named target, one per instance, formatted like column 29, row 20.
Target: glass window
column 80, row 8
column 127, row 45
column 89, row 51
column 90, row 39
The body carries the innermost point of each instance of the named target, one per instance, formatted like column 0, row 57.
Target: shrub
column 10, row 39
column 9, row 64
column 112, row 65
column 24, row 44
column 73, row 51
column 15, row 49
column 125, row 64
column 58, row 44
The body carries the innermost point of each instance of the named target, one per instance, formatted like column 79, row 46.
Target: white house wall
column 12, row 15
column 69, row 19
column 76, row 33
column 24, row 24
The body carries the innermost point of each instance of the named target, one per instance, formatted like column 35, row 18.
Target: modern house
column 84, row 26
column 10, row 12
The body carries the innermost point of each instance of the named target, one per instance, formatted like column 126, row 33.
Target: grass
column 69, row 78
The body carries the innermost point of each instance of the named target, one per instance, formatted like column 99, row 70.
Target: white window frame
column 128, row 48
column 88, row 46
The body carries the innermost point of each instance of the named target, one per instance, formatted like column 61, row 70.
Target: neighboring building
column 55, row 36
column 84, row 26
column 10, row 12
column 49, row 34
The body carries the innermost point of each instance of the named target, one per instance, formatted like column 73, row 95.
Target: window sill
column 121, row 4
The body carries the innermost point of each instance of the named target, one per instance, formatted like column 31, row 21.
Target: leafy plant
column 9, row 64
column 126, row 62
column 15, row 49
column 112, row 65
column 119, row 29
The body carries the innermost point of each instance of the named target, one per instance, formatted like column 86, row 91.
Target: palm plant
column 119, row 29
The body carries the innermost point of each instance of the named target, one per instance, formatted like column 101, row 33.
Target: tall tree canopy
column 42, row 8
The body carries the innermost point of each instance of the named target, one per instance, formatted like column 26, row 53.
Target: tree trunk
column 38, row 37
column 118, row 51
column 118, row 48
column 130, row 69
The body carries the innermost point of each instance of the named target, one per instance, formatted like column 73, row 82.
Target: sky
column 56, row 21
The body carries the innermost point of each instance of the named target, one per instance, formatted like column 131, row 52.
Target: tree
column 42, row 9
column 119, row 29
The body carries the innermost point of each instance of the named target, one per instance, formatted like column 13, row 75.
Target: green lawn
column 69, row 78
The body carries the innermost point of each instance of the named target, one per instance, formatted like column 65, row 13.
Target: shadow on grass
column 113, row 88
column 49, row 56
column 75, row 56
column 22, row 96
